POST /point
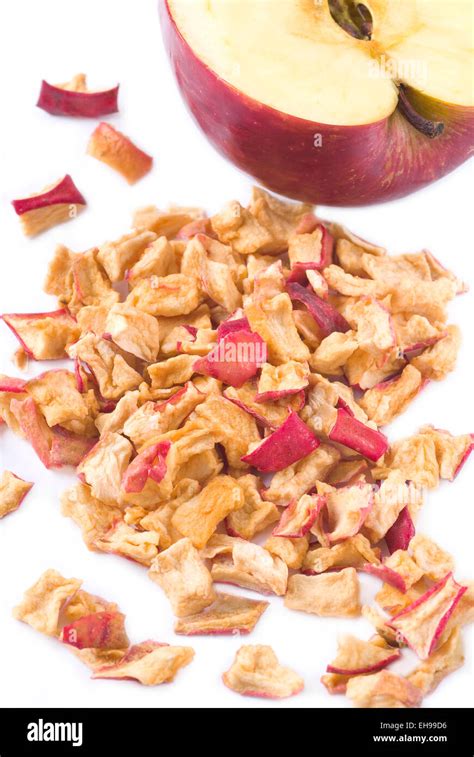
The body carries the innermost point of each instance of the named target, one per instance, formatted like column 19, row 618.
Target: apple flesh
column 314, row 113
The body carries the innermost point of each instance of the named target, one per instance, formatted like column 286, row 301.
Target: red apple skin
column 64, row 102
column 64, row 192
column 356, row 165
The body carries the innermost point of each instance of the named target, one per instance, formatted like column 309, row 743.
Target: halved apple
column 329, row 101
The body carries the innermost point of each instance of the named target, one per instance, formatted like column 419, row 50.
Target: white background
column 119, row 40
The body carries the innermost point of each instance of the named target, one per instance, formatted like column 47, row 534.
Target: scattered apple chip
column 13, row 491
column 251, row 567
column 382, row 690
column 422, row 623
column 432, row 561
column 280, row 381
column 447, row 658
column 291, row 442
column 229, row 614
column 255, row 515
column 44, row 336
column 149, row 663
column 291, row 550
column 299, row 516
column 296, row 480
column 332, row 595
column 42, row 604
column 75, row 99
column 55, row 204
column 387, row 400
column 184, row 578
column 118, row 151
column 346, row 510
column 104, row 467
column 356, row 658
column 101, row 630
column 353, row 552
column 256, row 672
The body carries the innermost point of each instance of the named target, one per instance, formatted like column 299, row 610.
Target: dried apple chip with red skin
column 401, row 533
column 291, row 442
column 350, row 432
column 348, row 472
column 110, row 146
column 406, row 567
column 228, row 615
column 75, row 99
column 12, row 385
column 101, row 630
column 387, row 400
column 267, row 414
column 256, row 672
column 390, row 498
column 184, row 578
column 422, row 623
column 346, row 510
column 330, row 595
column 277, row 382
column 230, row 426
column 300, row 477
column 299, row 516
column 232, row 324
column 383, row 689
column 13, row 491
column 150, row 663
column 151, row 463
column 55, row 204
column 44, row 336
column 451, row 451
column 55, row 447
column 386, row 574
column 333, row 352
column 236, row 358
column 440, row 358
column 291, row 551
column 326, row 316
column 356, row 657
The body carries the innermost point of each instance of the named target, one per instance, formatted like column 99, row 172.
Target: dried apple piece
column 332, row 595
column 350, row 432
column 451, row 451
column 291, row 551
column 55, row 204
column 291, row 442
column 433, row 561
column 168, row 296
column 150, row 463
column 446, row 659
column 109, row 368
column 346, row 510
column 356, row 657
column 299, row 516
column 44, row 336
column 383, row 689
column 230, row 426
column 435, row 362
column 100, row 630
column 387, row 400
column 273, row 320
column 422, row 623
column 390, row 499
column 228, row 615
column 119, row 152
column 256, row 672
column 75, row 99
column 268, row 414
column 119, row 256
column 94, row 518
column 42, row 603
column 13, row 491
column 184, row 578
column 104, row 466
column 236, row 358
column 353, row 552
column 198, row 518
column 251, row 567
column 333, row 352
column 149, row 663
column 325, row 315
column 299, row 478
column 121, row 539
column 276, row 382
column 400, row 534
column 255, row 515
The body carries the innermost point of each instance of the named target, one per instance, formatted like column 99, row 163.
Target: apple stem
column 431, row 129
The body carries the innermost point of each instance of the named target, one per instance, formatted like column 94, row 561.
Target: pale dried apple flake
column 383, row 689
column 257, row 672
column 13, row 491
column 149, row 663
column 229, row 614
column 332, row 595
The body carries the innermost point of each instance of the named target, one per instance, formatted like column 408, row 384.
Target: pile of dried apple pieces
column 231, row 375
